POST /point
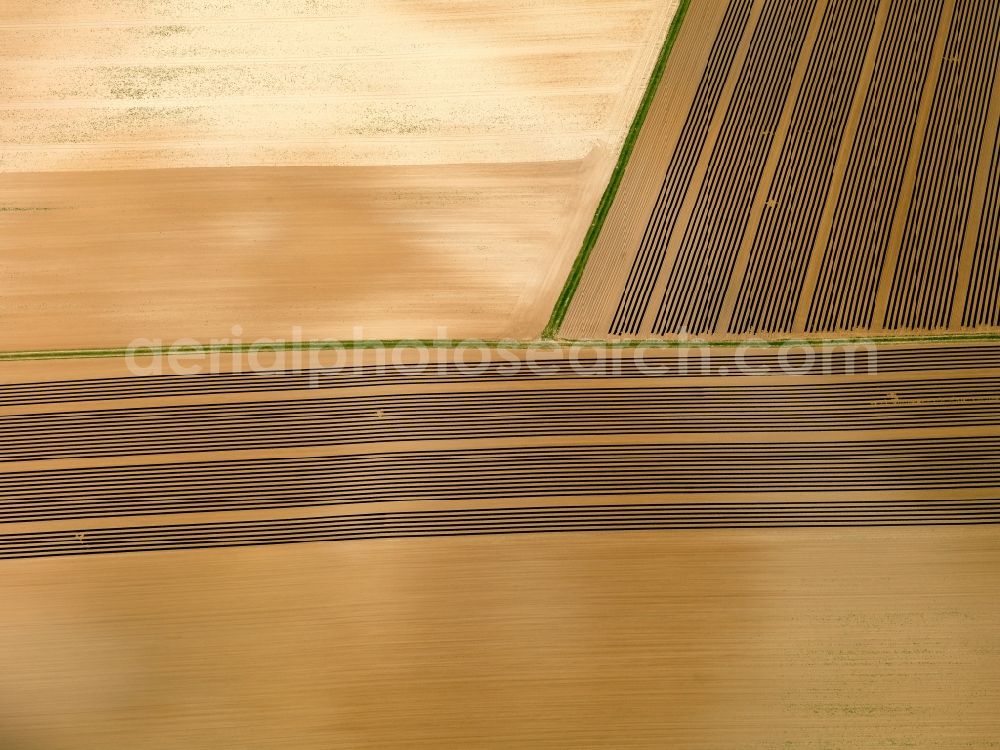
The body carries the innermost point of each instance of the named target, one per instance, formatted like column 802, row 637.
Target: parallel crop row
column 850, row 183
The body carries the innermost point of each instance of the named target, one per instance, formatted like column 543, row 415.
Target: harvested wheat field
column 816, row 167
column 804, row 552
column 348, row 169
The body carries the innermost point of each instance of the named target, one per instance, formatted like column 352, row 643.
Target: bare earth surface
column 728, row 555
column 725, row 549
column 839, row 638
column 455, row 155
column 815, row 167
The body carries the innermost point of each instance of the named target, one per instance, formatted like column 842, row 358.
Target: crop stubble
column 173, row 170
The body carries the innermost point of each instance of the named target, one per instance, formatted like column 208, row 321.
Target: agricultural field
column 350, row 169
column 257, row 493
column 330, row 548
column 816, row 167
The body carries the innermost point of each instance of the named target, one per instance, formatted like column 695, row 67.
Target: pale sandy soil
column 503, row 119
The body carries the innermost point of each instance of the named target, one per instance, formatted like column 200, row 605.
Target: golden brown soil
column 707, row 639
column 758, row 550
column 676, row 614
column 332, row 252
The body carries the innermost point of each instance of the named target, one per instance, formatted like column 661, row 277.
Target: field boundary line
column 546, row 344
column 604, row 207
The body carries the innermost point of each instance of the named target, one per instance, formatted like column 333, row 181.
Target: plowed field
column 809, row 167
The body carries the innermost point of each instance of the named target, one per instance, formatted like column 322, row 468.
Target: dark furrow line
column 876, row 409
column 261, row 438
column 786, row 234
column 923, row 286
column 830, row 363
column 634, row 300
column 698, row 278
column 180, row 506
column 176, row 506
column 737, row 394
column 541, row 472
column 467, row 522
column 713, row 419
column 850, row 269
column 580, row 459
column 982, row 302
column 861, row 450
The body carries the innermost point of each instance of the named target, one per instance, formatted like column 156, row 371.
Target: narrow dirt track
column 831, row 169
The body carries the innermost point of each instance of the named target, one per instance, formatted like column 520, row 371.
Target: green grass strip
column 761, row 343
column 548, row 344
column 276, row 346
column 576, row 272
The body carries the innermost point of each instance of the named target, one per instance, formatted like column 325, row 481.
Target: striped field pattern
column 234, row 459
column 840, row 175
